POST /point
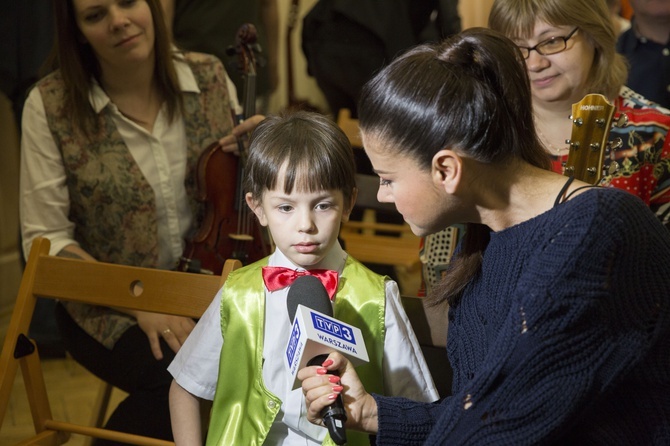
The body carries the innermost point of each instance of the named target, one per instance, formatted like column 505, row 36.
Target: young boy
column 301, row 185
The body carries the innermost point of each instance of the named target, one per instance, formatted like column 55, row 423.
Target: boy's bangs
column 312, row 175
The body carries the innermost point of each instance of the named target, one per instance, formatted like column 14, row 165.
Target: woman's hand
column 240, row 133
column 321, row 389
column 174, row 329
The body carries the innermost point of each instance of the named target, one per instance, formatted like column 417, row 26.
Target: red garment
column 276, row 278
column 644, row 156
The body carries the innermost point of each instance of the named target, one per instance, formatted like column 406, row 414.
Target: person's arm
column 185, row 416
column 44, row 200
column 195, row 370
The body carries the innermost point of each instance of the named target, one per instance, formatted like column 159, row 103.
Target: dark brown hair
column 470, row 93
column 78, row 64
column 316, row 152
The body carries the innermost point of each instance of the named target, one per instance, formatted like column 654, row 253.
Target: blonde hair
column 517, row 18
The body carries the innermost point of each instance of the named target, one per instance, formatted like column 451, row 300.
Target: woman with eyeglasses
column 569, row 47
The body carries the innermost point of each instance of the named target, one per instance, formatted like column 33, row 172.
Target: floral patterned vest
column 111, row 203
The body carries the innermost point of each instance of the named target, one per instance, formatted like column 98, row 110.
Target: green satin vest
column 244, row 409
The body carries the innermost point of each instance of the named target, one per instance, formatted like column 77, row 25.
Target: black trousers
column 131, row 367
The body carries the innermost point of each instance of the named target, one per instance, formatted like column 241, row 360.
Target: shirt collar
column 187, row 84
column 333, row 260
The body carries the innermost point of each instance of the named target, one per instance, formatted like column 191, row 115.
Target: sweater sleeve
column 567, row 342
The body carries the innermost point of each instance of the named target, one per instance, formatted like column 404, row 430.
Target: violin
column 228, row 230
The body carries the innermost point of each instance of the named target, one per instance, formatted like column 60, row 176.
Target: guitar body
column 591, row 122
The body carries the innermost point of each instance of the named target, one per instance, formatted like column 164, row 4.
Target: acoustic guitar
column 591, row 154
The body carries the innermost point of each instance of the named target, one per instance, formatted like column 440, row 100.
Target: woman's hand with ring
column 173, row 329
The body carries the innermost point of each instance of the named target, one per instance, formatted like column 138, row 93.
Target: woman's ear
column 257, row 208
column 447, row 168
column 348, row 207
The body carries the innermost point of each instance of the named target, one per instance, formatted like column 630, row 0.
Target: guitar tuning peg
column 613, row 168
column 621, row 120
column 578, row 122
column 616, row 143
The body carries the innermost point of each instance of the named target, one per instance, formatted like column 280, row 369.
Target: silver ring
column 166, row 331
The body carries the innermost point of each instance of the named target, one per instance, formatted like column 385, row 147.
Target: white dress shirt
column 196, row 366
column 160, row 155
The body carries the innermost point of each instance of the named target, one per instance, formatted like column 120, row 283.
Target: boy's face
column 303, row 225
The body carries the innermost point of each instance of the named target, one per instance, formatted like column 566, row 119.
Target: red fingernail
column 321, row 371
column 334, row 379
column 338, row 389
column 332, row 396
column 327, row 362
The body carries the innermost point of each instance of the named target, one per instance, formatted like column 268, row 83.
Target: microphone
column 308, row 308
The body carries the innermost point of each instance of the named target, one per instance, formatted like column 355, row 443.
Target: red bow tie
column 276, row 278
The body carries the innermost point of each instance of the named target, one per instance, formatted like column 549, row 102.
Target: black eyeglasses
column 548, row 47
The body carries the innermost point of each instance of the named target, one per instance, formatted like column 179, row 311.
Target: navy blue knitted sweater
column 563, row 338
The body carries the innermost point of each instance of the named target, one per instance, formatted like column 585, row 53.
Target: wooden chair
column 96, row 283
column 367, row 239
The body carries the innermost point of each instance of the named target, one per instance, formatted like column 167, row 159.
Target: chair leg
column 101, row 404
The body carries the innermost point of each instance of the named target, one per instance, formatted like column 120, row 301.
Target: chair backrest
column 97, row 283
column 350, row 127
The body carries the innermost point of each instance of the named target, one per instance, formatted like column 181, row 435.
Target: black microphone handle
column 334, row 415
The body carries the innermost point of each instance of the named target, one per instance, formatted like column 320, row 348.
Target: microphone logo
column 333, row 328
column 293, row 343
